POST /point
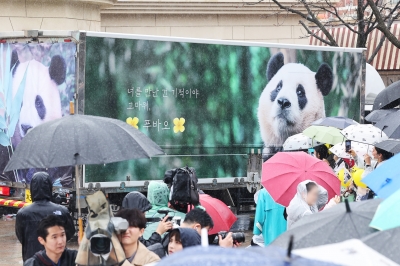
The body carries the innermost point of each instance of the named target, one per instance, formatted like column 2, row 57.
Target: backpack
column 184, row 187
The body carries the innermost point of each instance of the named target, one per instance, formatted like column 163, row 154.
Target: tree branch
column 382, row 26
column 314, row 34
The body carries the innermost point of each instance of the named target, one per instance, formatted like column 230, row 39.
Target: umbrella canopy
column 329, row 135
column 339, row 122
column 387, row 215
column 390, row 125
column 352, row 252
column 360, row 148
column 339, row 223
column 390, row 145
column 212, row 255
column 285, row 170
column 299, row 142
column 378, row 115
column 385, row 242
column 385, row 179
column 81, row 139
column 221, row 215
column 368, row 134
column 388, row 98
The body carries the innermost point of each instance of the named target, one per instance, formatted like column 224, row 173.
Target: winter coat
column 268, row 220
column 298, row 206
column 142, row 257
column 158, row 196
column 40, row 259
column 136, row 200
column 29, row 217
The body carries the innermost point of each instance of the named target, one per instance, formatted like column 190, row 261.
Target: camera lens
column 238, row 237
column 100, row 245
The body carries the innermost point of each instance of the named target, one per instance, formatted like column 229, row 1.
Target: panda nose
column 284, row 103
column 25, row 128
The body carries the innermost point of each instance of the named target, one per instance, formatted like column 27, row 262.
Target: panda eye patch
column 275, row 92
column 300, row 91
column 40, row 108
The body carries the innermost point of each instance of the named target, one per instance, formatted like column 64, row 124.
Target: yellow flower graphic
column 179, row 127
column 133, row 121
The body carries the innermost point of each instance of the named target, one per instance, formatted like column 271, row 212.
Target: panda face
column 291, row 100
column 41, row 101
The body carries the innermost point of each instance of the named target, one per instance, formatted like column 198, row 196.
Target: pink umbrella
column 285, row 170
column 221, row 215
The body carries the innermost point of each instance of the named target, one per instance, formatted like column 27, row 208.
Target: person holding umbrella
column 379, row 156
column 309, row 199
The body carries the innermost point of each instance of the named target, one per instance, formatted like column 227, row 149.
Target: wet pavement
column 10, row 248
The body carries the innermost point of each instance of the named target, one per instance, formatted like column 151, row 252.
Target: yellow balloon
column 356, row 175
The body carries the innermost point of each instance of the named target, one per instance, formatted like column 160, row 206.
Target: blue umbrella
column 213, row 255
column 385, row 180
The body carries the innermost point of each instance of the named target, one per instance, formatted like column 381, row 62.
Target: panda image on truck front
column 292, row 99
column 41, row 100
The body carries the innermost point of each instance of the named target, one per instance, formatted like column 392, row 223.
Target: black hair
column 385, row 154
column 175, row 233
column 199, row 216
column 134, row 217
column 322, row 151
column 46, row 223
column 310, row 185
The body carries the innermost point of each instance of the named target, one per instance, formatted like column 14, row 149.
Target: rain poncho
column 136, row 200
column 158, row 195
column 298, row 206
column 269, row 220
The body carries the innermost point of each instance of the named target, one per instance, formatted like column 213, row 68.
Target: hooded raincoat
column 269, row 220
column 158, row 196
column 298, row 206
column 29, row 217
column 136, row 200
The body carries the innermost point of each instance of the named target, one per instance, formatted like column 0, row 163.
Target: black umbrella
column 339, row 122
column 79, row 140
column 390, row 145
column 378, row 115
column 390, row 124
column 342, row 222
column 388, row 98
column 386, row 242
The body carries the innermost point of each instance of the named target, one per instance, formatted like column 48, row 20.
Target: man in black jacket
column 51, row 234
column 28, row 218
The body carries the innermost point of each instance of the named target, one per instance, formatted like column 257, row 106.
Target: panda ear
column 274, row 64
column 58, row 69
column 324, row 79
column 14, row 61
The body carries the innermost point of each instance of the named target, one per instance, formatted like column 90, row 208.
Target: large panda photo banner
column 37, row 82
column 209, row 104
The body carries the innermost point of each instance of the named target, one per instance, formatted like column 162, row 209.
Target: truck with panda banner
column 221, row 107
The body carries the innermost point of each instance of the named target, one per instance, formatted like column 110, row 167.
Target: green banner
column 208, row 105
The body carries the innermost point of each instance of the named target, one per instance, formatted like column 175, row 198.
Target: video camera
column 100, row 242
column 238, row 237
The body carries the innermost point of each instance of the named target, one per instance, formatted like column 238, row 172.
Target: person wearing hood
column 29, row 217
column 181, row 238
column 136, row 200
column 158, row 196
column 309, row 199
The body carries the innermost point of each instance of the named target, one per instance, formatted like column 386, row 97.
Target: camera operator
column 135, row 252
column 198, row 219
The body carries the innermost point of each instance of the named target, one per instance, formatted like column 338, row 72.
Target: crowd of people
column 43, row 228
column 272, row 219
